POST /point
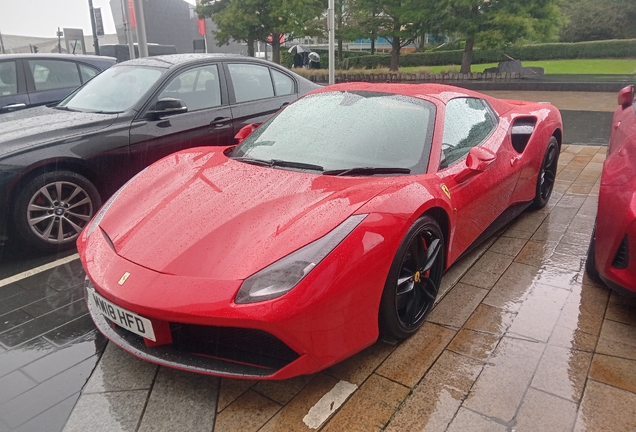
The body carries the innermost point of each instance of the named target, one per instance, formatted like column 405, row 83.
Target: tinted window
column 284, row 85
column 87, row 72
column 340, row 130
column 467, row 123
column 198, row 88
column 8, row 79
column 251, row 82
column 54, row 74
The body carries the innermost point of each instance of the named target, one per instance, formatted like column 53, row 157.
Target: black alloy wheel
column 53, row 208
column 547, row 174
column 414, row 280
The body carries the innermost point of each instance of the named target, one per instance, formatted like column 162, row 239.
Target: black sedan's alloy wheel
column 547, row 175
column 53, row 209
column 414, row 280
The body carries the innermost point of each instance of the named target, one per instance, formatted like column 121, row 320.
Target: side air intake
column 522, row 129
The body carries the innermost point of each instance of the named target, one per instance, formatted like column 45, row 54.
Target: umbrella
column 314, row 56
column 298, row 49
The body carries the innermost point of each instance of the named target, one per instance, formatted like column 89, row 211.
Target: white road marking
column 37, row 270
column 328, row 404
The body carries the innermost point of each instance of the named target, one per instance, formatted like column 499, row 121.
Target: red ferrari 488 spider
column 610, row 258
column 329, row 225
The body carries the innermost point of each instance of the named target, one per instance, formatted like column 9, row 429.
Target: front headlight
column 102, row 211
column 283, row 275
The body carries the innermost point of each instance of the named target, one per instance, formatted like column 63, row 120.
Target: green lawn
column 578, row 66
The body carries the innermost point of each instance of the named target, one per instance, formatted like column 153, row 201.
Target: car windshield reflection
column 345, row 130
column 115, row 90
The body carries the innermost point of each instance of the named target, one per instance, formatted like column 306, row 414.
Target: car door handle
column 220, row 121
column 14, row 106
column 514, row 160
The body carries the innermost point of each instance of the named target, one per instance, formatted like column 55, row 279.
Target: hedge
column 618, row 48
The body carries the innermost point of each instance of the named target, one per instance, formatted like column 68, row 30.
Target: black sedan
column 28, row 80
column 58, row 164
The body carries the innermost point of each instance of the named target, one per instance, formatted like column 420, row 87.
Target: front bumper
column 329, row 316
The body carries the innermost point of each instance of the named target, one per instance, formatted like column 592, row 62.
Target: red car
column 610, row 258
column 329, row 225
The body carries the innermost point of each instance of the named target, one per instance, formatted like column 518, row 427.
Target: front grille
column 243, row 346
column 621, row 259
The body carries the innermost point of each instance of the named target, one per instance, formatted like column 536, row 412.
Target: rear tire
column 547, row 174
column 53, row 208
column 413, row 281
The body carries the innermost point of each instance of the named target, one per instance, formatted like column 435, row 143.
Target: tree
column 254, row 20
column 588, row 20
column 398, row 21
column 496, row 23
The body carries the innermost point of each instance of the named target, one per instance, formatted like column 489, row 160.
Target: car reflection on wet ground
column 520, row 340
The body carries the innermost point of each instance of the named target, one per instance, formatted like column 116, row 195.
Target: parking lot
column 520, row 339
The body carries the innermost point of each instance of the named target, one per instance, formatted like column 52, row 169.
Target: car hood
column 200, row 214
column 34, row 126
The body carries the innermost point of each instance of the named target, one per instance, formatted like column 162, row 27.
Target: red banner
column 201, row 26
column 131, row 9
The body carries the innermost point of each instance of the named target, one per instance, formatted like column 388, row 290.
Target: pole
column 138, row 5
column 129, row 36
column 332, row 38
column 95, row 40
column 59, row 41
column 2, row 44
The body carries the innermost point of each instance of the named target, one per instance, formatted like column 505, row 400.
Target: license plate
column 129, row 320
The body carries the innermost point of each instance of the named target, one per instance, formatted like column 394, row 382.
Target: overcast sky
column 42, row 17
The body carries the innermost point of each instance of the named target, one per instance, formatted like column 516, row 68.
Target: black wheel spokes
column 548, row 173
column 416, row 291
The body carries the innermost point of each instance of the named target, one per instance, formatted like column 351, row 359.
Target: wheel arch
column 441, row 216
column 73, row 165
column 558, row 134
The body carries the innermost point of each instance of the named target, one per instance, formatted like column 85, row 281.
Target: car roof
column 77, row 57
column 440, row 92
column 170, row 60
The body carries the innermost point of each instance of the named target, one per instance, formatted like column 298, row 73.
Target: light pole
column 141, row 28
column 332, row 38
column 95, row 40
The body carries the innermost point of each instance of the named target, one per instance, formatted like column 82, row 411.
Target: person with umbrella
column 298, row 51
column 314, row 60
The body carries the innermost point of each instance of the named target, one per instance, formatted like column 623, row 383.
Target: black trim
column 621, row 259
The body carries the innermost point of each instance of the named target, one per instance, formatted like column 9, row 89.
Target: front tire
column 53, row 208
column 413, row 281
column 547, row 174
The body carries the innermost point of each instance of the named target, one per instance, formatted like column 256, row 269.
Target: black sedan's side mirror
column 168, row 106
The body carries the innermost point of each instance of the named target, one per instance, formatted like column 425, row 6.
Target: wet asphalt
column 49, row 347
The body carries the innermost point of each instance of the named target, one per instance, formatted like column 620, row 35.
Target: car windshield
column 344, row 129
column 114, row 90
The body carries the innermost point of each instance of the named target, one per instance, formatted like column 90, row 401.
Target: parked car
column 57, row 164
column 611, row 256
column 28, row 80
column 293, row 251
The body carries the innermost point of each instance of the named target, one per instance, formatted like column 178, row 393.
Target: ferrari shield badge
column 123, row 278
column 446, row 191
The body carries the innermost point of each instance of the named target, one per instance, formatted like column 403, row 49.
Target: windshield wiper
column 367, row 171
column 299, row 165
column 64, row 108
column 278, row 163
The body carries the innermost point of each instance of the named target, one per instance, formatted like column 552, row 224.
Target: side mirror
column 245, row 132
column 479, row 158
column 626, row 96
column 168, row 106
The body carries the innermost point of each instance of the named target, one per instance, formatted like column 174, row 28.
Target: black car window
column 467, row 123
column 198, row 88
column 283, row 84
column 8, row 79
column 87, row 72
column 54, row 74
column 251, row 82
